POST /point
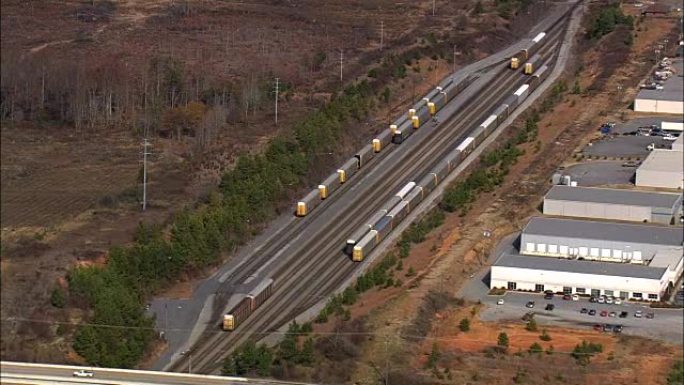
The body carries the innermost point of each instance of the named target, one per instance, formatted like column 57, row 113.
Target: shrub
column 531, row 325
column 535, row 348
column 545, row 336
column 57, row 298
column 676, row 376
column 464, row 325
column 502, row 340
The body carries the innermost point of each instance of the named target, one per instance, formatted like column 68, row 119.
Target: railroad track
column 321, row 259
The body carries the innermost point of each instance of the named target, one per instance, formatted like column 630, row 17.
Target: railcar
column 329, row 185
column 252, row 301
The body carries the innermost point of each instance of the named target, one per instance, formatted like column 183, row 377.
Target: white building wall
column 659, row 106
column 527, row 279
column 597, row 210
column 652, row 178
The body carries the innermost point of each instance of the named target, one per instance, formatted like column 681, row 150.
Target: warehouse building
column 624, row 280
column 668, row 100
column 662, row 168
column 678, row 144
column 601, row 241
column 603, row 203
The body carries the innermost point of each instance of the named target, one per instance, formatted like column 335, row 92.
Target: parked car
column 601, row 299
column 567, row 297
column 592, row 299
column 548, row 296
column 575, row 297
column 617, row 329
column 592, row 312
column 650, row 315
column 607, row 327
column 500, row 301
column 623, row 314
column 604, row 313
column 638, row 314
column 609, row 300
column 618, row 301
column 612, row 314
column 550, row 307
column 598, row 327
column 84, row 373
column 669, row 137
column 530, row 304
column 584, row 310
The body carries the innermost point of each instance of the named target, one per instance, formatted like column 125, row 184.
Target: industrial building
column 662, row 168
column 593, row 240
column 624, row 280
column 668, row 100
column 618, row 204
column 630, row 261
column 678, row 144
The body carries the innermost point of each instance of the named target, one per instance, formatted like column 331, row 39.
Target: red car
column 604, row 313
column 598, row 327
column 567, row 297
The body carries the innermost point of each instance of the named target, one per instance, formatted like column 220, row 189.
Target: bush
column 545, row 336
column 584, row 351
column 57, row 298
column 676, row 376
column 248, row 359
column 535, row 348
column 464, row 325
column 502, row 340
column 531, row 325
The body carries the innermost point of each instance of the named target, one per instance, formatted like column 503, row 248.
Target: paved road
column 666, row 326
column 25, row 373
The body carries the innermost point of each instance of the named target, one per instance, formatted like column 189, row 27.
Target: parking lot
column 625, row 146
column 601, row 173
column 666, row 324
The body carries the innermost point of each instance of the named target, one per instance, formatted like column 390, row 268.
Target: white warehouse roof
column 662, row 168
column 580, row 266
column 613, row 196
column 608, row 231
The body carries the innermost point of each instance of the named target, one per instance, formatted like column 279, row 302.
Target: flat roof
column 609, row 231
column 672, row 87
column 664, row 160
column 612, row 196
column 580, row 266
column 669, row 257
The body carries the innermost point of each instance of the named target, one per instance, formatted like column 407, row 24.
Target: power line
column 377, row 334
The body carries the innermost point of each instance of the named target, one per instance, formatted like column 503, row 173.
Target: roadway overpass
column 21, row 373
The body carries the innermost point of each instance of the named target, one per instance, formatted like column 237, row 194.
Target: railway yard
column 305, row 256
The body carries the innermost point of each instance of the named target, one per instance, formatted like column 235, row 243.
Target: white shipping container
column 521, row 90
column 672, row 126
column 538, row 38
column 461, row 147
column 405, row 190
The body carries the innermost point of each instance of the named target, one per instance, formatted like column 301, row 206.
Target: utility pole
column 433, row 7
column 382, row 33
column 341, row 63
column 276, row 101
column 145, row 153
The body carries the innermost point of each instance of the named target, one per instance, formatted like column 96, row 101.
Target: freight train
column 247, row 305
column 398, row 131
column 528, row 50
column 368, row 236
